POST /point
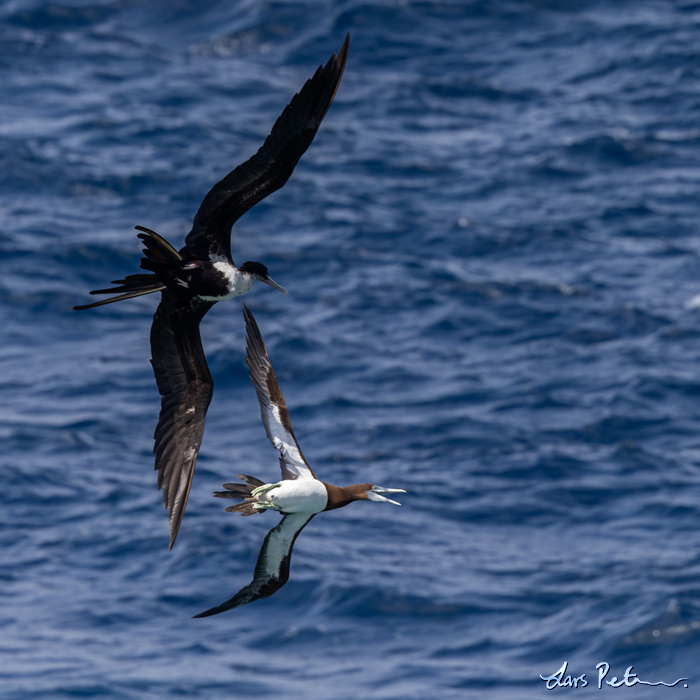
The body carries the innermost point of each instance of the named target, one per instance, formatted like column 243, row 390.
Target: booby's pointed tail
column 160, row 257
column 243, row 491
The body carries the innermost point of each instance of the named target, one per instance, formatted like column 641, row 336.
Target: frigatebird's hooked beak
column 375, row 494
column 274, row 285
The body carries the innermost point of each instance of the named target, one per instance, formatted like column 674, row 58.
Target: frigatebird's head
column 259, row 272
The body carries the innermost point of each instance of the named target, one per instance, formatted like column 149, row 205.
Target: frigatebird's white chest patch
column 236, row 282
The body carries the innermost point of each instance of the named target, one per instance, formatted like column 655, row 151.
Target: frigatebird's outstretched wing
column 186, row 388
column 272, row 568
column 273, row 408
column 269, row 168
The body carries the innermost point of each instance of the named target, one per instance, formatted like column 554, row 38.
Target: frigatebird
column 192, row 280
column 299, row 496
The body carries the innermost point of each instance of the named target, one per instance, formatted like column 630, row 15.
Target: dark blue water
column 492, row 255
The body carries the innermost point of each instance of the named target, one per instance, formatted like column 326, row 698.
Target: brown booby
column 299, row 496
column 202, row 272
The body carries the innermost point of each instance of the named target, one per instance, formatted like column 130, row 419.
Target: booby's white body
column 296, row 496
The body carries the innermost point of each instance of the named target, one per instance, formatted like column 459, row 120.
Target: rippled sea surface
column 492, row 250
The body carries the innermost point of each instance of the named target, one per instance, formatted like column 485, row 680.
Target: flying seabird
column 203, row 272
column 299, row 496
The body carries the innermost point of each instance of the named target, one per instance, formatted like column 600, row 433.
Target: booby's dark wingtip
column 236, row 602
column 248, row 316
column 215, row 611
column 251, row 325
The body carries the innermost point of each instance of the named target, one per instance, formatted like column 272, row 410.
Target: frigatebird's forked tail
column 160, row 257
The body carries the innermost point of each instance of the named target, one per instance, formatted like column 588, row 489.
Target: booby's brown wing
column 273, row 408
column 272, row 568
column 269, row 168
column 186, row 388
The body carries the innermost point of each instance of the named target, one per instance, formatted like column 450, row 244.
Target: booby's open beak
column 272, row 283
column 375, row 494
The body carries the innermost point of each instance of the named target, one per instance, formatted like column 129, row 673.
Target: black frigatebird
column 203, row 272
column 299, row 496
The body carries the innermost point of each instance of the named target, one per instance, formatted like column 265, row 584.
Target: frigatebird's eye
column 255, row 268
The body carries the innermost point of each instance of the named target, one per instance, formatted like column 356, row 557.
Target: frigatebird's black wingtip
column 177, row 513
column 341, row 59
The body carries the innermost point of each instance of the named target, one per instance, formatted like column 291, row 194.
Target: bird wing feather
column 272, row 568
column 269, row 168
column 273, row 408
column 186, row 388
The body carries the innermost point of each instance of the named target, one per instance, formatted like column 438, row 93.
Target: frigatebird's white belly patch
column 236, row 282
column 299, row 496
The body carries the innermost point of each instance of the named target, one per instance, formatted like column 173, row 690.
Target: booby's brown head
column 339, row 496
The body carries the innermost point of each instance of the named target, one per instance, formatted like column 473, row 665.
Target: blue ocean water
column 492, row 255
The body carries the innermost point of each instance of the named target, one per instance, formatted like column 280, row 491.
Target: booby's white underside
column 296, row 496
column 278, row 543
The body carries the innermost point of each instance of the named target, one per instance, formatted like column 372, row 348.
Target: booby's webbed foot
column 266, row 505
column 264, row 489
